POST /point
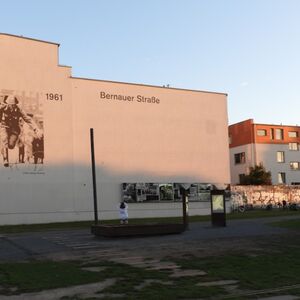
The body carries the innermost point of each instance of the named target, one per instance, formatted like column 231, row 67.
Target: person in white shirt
column 123, row 211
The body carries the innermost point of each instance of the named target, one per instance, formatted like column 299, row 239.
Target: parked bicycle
column 238, row 203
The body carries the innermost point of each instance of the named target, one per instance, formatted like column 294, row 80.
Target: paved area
column 62, row 244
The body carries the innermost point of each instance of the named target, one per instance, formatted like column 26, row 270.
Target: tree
column 258, row 176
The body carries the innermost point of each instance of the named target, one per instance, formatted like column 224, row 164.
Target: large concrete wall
column 182, row 137
column 262, row 195
column 38, row 193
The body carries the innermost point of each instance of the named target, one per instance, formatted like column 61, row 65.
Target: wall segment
column 142, row 134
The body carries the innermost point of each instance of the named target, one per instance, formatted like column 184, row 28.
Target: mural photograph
column 21, row 130
column 154, row 192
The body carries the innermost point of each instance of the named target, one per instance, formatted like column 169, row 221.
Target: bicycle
column 238, row 202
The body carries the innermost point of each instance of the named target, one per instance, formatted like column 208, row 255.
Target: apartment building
column 275, row 146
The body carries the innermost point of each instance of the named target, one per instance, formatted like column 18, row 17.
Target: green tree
column 258, row 176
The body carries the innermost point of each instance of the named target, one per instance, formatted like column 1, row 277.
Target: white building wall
column 181, row 139
column 42, row 193
column 242, row 168
column 267, row 154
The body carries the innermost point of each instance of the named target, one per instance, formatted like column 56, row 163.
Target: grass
column 253, row 273
column 290, row 224
column 35, row 276
column 277, row 266
column 184, row 288
column 17, row 278
column 252, row 214
column 43, row 227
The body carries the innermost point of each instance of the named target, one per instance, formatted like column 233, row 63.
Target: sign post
column 218, row 208
column 94, row 176
column 185, row 204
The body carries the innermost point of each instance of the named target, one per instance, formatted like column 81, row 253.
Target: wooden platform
column 137, row 229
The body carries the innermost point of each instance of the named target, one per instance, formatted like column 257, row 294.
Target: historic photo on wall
column 21, row 131
column 153, row 192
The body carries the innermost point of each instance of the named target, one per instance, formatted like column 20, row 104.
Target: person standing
column 123, row 211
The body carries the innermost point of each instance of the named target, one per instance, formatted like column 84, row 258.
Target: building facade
column 147, row 140
column 275, row 146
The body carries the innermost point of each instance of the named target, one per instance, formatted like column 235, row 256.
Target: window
column 240, row 158
column 272, row 133
column 280, row 156
column 230, row 139
column 295, row 165
column 293, row 134
column 278, row 134
column 261, row 132
column 294, row 146
column 281, row 178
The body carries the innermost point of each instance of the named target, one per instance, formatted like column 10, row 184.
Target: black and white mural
column 21, row 131
column 154, row 192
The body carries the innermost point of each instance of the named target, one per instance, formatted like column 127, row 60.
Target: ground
column 247, row 259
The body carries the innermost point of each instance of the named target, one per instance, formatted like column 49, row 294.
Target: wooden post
column 185, row 208
column 94, row 176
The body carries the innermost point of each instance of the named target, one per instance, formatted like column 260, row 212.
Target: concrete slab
column 148, row 282
column 218, row 283
column 86, row 290
column 93, row 269
column 281, row 297
column 187, row 273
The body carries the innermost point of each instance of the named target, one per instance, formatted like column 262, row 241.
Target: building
column 147, row 139
column 275, row 146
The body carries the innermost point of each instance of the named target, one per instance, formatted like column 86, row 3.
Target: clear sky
column 249, row 49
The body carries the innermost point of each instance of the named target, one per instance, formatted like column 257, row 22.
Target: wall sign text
column 55, row 97
column 127, row 98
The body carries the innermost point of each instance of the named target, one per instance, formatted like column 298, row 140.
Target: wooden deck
column 137, row 229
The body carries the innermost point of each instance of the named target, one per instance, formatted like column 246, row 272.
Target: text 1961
column 55, row 97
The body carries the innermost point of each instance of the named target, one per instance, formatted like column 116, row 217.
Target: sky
column 248, row 49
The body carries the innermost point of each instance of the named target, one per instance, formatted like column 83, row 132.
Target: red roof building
column 275, row 146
